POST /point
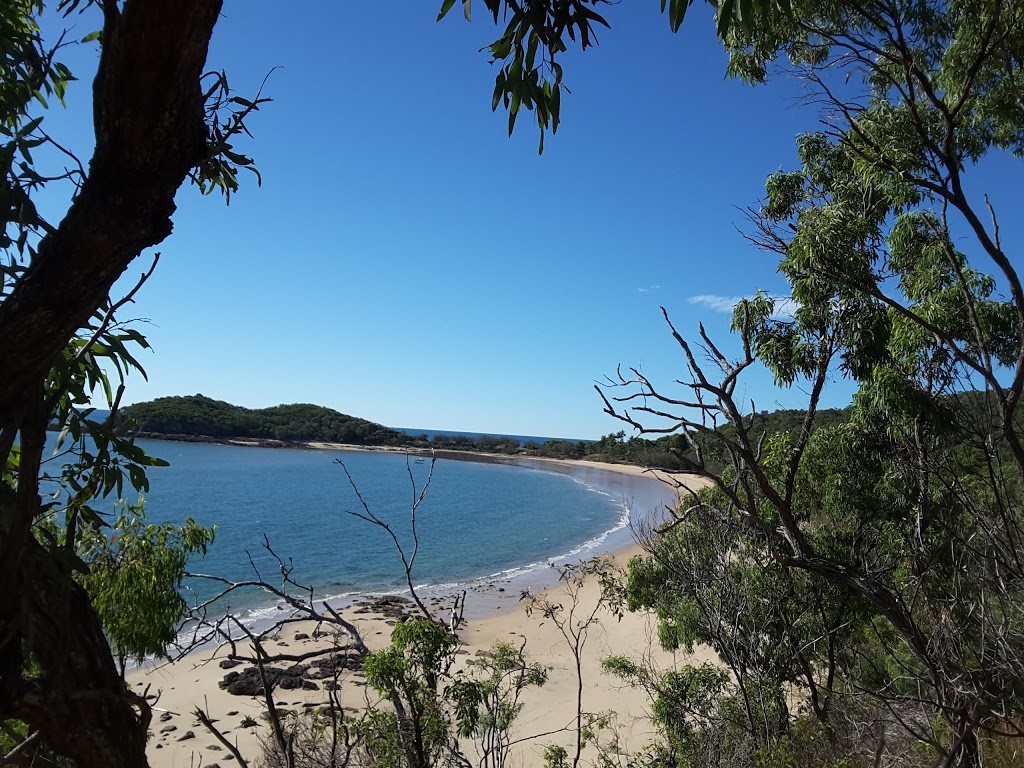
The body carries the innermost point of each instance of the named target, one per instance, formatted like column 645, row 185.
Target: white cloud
column 785, row 307
column 717, row 303
column 648, row 289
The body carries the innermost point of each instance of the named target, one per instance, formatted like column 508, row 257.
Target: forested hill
column 199, row 415
column 673, row 452
column 789, row 421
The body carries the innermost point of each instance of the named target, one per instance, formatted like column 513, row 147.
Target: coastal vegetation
column 859, row 576
column 859, row 581
column 197, row 415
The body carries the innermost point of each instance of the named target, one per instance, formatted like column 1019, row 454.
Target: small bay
column 478, row 522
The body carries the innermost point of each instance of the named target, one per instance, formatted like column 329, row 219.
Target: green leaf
column 676, row 13
column 531, row 50
column 445, row 7
column 747, row 14
column 725, row 12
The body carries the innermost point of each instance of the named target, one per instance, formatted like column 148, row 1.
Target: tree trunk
column 149, row 118
column 150, row 130
column 79, row 703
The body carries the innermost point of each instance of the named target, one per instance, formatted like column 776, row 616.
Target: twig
column 208, row 724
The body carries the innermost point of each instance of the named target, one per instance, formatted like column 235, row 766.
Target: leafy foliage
column 133, row 578
column 686, row 701
column 30, row 74
column 432, row 707
column 533, row 40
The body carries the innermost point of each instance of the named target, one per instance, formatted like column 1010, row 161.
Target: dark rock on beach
column 291, row 683
column 388, row 606
column 248, row 682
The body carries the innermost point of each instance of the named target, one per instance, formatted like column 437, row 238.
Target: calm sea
column 430, row 433
column 478, row 523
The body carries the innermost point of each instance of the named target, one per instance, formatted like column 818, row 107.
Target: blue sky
column 407, row 262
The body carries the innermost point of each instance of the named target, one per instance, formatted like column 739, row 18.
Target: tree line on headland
column 198, row 416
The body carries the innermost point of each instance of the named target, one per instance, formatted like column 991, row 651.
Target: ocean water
column 449, row 433
column 477, row 522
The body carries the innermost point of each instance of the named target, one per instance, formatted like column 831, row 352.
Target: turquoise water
column 477, row 522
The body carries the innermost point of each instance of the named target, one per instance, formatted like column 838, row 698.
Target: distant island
column 201, row 418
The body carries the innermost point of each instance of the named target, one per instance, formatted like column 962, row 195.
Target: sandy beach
column 178, row 740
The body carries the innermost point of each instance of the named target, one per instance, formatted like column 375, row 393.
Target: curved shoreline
column 636, row 491
column 640, row 490
column 494, row 614
column 626, row 493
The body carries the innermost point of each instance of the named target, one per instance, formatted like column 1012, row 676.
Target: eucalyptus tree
column 902, row 284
